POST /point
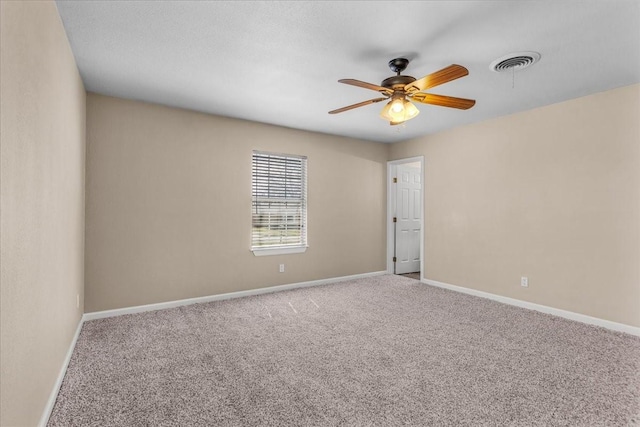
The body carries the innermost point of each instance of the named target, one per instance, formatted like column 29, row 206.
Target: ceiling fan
column 401, row 90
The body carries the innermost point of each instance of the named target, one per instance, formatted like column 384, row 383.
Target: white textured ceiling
column 279, row 62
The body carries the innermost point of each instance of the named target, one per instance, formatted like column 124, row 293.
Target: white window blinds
column 279, row 208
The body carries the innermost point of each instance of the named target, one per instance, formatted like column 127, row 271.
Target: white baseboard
column 44, row 419
column 171, row 304
column 619, row 327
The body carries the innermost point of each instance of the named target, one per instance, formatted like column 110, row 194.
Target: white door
column 408, row 213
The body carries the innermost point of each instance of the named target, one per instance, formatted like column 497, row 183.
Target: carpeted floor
column 415, row 276
column 382, row 351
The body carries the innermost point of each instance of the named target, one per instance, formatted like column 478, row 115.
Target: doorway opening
column 405, row 217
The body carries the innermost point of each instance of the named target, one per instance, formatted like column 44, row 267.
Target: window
column 279, row 207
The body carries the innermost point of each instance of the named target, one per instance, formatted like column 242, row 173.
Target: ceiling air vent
column 515, row 61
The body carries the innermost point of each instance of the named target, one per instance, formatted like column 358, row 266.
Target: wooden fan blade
column 366, row 85
column 443, row 101
column 359, row 104
column 445, row 75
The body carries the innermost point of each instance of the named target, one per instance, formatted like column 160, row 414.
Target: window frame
column 281, row 249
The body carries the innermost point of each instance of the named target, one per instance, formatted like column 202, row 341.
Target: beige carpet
column 383, row 351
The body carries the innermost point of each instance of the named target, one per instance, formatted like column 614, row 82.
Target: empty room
column 356, row 213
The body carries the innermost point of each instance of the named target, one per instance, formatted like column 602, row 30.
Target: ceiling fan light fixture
column 397, row 106
column 386, row 112
column 410, row 110
column 399, row 110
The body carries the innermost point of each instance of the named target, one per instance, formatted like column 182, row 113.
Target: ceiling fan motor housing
column 395, row 82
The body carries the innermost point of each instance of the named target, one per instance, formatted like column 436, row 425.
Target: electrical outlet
column 281, row 268
column 524, row 282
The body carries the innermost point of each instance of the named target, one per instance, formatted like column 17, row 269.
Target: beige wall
column 42, row 205
column 552, row 194
column 169, row 205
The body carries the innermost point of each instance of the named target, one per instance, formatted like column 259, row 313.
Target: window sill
column 278, row 251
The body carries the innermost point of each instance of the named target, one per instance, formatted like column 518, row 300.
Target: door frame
column 391, row 204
